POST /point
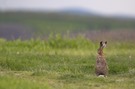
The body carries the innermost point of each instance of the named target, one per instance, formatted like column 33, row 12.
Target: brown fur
column 101, row 64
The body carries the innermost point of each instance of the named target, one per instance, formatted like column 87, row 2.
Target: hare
column 101, row 64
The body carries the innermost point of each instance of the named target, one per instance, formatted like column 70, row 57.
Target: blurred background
column 93, row 19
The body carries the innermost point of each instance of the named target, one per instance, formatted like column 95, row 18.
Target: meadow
column 58, row 51
column 53, row 22
column 64, row 63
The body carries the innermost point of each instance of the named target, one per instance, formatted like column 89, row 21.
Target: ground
column 38, row 64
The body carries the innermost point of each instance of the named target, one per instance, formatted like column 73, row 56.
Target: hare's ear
column 101, row 43
column 106, row 42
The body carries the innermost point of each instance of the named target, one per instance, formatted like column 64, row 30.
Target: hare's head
column 103, row 44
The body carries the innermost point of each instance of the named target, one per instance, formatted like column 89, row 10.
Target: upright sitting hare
column 101, row 64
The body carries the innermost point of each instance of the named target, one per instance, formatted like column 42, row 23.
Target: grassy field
column 64, row 63
column 64, row 59
column 60, row 23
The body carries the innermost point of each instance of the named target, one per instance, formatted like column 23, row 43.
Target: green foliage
column 64, row 63
column 58, row 22
column 79, row 42
column 7, row 82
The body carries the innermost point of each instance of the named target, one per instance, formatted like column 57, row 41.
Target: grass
column 60, row 23
column 16, row 82
column 64, row 63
